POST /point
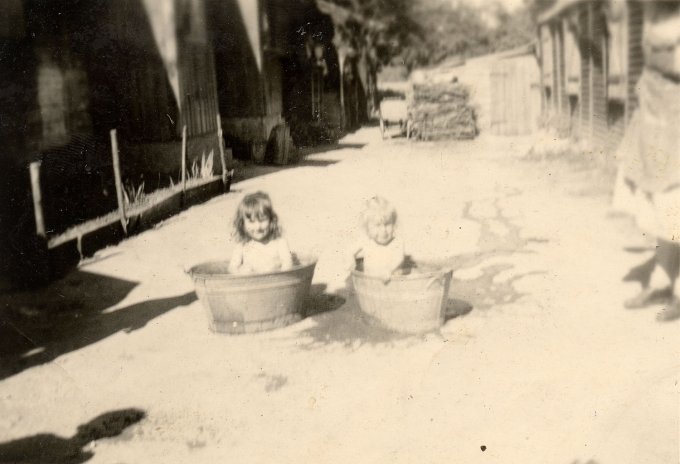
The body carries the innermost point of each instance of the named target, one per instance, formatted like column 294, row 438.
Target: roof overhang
column 559, row 7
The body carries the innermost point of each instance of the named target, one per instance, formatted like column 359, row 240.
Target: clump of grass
column 197, row 172
column 204, row 170
column 133, row 195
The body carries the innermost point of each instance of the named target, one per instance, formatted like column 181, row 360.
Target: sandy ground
column 542, row 364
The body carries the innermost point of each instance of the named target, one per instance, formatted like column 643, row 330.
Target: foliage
column 205, row 170
column 196, row 172
column 425, row 32
column 458, row 29
column 133, row 195
column 513, row 29
column 536, row 7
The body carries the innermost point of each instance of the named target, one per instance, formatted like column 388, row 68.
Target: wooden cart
column 393, row 112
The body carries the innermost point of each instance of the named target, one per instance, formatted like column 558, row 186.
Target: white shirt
column 382, row 260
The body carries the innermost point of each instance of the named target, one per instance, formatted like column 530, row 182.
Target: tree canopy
column 425, row 32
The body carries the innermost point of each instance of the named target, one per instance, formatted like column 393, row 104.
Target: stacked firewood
column 442, row 111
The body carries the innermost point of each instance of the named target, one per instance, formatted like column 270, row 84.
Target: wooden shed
column 276, row 68
column 70, row 72
column 515, row 93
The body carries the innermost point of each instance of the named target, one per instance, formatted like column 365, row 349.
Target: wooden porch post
column 591, row 74
column 34, row 168
column 541, row 82
column 341, row 62
column 184, row 159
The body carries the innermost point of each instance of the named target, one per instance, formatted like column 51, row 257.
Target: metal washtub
column 238, row 304
column 412, row 303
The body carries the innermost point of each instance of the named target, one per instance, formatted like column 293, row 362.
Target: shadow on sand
column 248, row 170
column 47, row 448
column 38, row 327
column 329, row 147
column 641, row 273
column 338, row 320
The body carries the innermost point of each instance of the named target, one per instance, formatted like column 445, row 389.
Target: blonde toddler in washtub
column 382, row 251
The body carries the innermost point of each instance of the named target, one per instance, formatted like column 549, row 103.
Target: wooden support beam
column 591, row 74
column 184, row 159
column 117, row 178
column 34, row 169
column 223, row 157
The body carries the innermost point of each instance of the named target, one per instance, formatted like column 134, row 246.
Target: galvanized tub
column 237, row 304
column 412, row 303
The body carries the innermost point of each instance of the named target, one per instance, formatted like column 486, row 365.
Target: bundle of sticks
column 442, row 111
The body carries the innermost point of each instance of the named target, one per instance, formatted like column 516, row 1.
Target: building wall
column 547, row 51
column 586, row 69
column 250, row 44
column 635, row 55
column 572, row 60
column 599, row 52
column 514, row 88
column 596, row 89
column 72, row 70
column 559, row 78
column 196, row 68
column 237, row 64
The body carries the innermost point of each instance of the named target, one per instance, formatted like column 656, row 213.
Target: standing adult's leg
column 659, row 290
column 672, row 261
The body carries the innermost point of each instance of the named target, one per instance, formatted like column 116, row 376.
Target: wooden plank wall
column 584, row 113
column 198, row 89
column 547, row 69
column 572, row 57
column 590, row 112
column 239, row 80
column 196, row 67
column 561, row 81
column 599, row 76
column 635, row 57
column 515, row 96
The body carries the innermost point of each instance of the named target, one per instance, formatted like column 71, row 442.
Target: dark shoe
column 649, row 296
column 671, row 313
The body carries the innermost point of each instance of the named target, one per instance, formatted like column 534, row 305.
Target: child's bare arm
column 396, row 259
column 354, row 251
column 285, row 255
column 236, row 260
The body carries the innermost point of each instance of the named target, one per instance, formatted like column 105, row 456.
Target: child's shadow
column 46, row 447
column 319, row 302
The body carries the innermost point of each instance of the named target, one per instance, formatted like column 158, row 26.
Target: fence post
column 223, row 159
column 34, row 168
column 117, row 177
column 184, row 160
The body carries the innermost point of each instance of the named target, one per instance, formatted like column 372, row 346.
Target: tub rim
column 306, row 262
column 439, row 273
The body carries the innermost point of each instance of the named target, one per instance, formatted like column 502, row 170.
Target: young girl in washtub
column 260, row 248
column 381, row 250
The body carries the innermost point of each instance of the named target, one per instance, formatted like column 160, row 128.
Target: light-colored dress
column 649, row 181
